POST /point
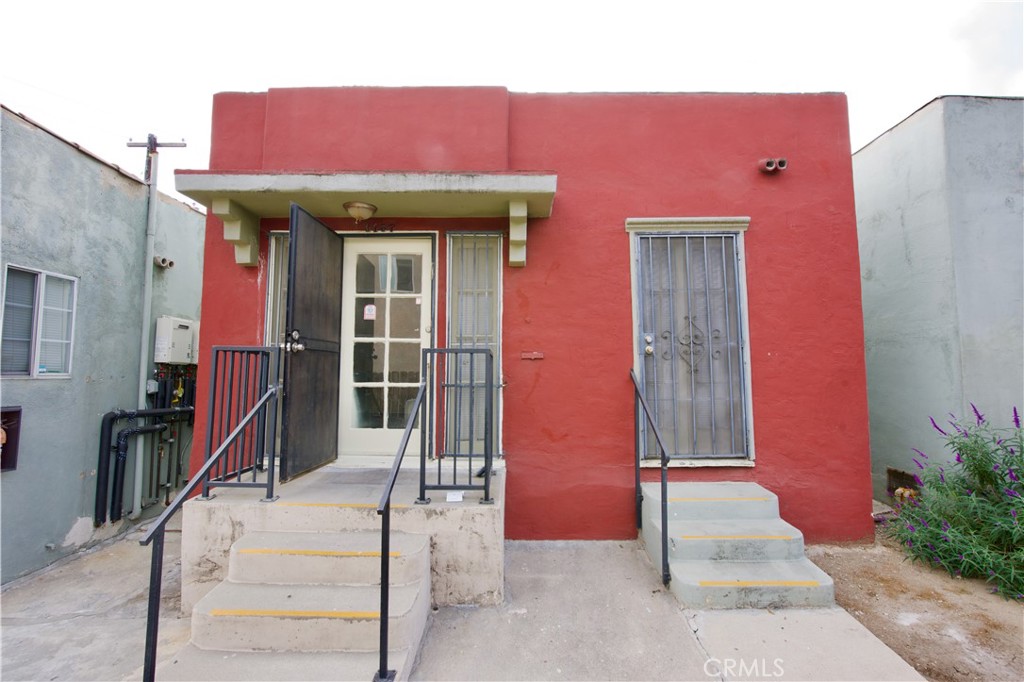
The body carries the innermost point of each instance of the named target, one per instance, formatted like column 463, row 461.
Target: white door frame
column 355, row 443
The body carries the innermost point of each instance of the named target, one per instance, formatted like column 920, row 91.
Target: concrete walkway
column 84, row 618
column 573, row 611
column 598, row 611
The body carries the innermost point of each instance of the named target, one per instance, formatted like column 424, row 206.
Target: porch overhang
column 241, row 199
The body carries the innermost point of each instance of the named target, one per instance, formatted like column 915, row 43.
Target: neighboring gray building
column 940, row 219
column 72, row 261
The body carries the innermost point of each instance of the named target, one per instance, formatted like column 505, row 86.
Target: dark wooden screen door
column 309, row 434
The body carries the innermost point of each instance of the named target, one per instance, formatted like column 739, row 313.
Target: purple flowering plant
column 968, row 514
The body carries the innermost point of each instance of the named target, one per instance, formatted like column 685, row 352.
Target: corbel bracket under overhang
column 517, row 234
column 241, row 228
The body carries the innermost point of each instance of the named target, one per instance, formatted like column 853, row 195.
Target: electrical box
column 175, row 341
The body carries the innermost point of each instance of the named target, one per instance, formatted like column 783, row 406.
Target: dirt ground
column 947, row 628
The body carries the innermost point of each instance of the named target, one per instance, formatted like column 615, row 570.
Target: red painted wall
column 569, row 417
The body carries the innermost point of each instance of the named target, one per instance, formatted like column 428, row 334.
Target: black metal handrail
column 640, row 403
column 263, row 412
column 384, row 510
column 456, row 393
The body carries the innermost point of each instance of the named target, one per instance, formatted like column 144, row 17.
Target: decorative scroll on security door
column 691, row 344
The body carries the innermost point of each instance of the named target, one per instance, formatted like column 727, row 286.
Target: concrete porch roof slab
column 395, row 193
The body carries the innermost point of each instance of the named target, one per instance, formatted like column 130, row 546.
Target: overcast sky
column 101, row 72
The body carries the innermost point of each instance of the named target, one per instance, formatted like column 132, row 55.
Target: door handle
column 292, row 343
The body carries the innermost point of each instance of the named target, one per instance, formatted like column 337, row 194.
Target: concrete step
column 728, row 548
column 729, row 540
column 350, row 558
column 264, row 617
column 750, row 584
column 193, row 663
column 696, row 501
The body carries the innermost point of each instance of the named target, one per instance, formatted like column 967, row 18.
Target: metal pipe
column 103, row 469
column 119, row 466
column 156, row 567
column 103, row 460
column 147, row 312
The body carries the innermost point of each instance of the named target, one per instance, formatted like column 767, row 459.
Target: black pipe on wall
column 119, row 464
column 103, row 463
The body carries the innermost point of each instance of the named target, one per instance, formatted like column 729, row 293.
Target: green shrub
column 968, row 515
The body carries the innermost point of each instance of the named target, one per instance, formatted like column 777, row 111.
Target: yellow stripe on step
column 718, row 499
column 735, row 537
column 758, row 583
column 314, row 552
column 349, row 615
column 341, row 505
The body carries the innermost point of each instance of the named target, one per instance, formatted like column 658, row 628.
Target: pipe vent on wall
column 772, row 165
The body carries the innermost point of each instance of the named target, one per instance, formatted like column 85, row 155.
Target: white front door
column 385, row 323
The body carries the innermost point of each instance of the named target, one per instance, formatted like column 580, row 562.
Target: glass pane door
column 386, row 319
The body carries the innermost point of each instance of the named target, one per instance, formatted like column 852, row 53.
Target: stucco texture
column 568, row 418
column 64, row 211
column 940, row 210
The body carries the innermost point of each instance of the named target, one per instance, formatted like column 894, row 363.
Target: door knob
column 648, row 350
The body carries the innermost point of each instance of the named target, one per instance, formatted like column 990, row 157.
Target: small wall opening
column 10, row 419
column 897, row 478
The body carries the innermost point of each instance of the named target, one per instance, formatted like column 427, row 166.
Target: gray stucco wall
column 985, row 165
column 65, row 212
column 940, row 224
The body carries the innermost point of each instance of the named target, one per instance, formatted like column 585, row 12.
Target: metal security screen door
column 474, row 321
column 691, row 343
column 386, row 322
column 309, row 431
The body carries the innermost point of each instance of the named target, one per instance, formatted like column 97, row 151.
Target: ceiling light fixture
column 359, row 210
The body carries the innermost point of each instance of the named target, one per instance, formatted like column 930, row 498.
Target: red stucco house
column 706, row 241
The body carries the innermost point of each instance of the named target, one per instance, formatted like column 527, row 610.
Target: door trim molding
column 427, row 241
column 689, row 224
column 711, row 225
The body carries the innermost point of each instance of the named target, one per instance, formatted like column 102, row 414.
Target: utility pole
column 151, row 146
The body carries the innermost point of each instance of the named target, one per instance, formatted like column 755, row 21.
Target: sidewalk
column 597, row 611
column 573, row 611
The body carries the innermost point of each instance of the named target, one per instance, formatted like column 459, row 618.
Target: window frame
column 693, row 227
column 499, row 293
column 41, row 277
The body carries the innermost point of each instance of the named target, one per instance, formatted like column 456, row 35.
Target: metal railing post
column 156, row 568
column 384, row 511
column 637, row 442
column 489, row 428
column 666, row 576
column 385, row 589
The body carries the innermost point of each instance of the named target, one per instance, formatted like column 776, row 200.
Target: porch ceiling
column 396, row 194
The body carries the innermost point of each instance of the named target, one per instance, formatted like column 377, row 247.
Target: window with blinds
column 38, row 323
